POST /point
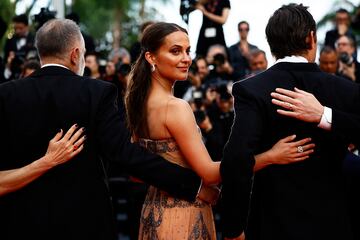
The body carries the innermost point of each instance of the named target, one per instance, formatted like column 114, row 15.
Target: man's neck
column 53, row 61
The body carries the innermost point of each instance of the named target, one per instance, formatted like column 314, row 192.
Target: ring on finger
column 300, row 149
column 75, row 147
column 289, row 105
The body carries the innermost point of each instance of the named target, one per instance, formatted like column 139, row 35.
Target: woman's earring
column 152, row 67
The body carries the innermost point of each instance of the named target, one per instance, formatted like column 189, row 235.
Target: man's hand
column 298, row 104
column 209, row 194
column 342, row 29
column 241, row 237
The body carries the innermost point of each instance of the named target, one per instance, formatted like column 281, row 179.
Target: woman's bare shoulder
column 178, row 106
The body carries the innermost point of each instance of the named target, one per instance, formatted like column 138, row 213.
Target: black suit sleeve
column 346, row 124
column 238, row 161
column 346, row 116
column 114, row 140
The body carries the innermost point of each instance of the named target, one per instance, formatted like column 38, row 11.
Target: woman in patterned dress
column 166, row 125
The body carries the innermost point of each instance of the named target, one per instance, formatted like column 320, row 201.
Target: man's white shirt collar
column 54, row 65
column 292, row 59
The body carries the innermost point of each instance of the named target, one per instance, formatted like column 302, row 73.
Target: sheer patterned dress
column 170, row 218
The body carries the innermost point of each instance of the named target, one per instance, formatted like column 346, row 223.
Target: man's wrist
column 209, row 194
column 326, row 119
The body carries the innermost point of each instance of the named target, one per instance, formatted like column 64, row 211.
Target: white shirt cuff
column 326, row 119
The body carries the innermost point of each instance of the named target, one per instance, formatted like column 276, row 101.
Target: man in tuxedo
column 71, row 201
column 303, row 200
column 18, row 48
column 22, row 41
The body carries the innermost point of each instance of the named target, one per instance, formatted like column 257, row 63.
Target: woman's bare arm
column 182, row 127
column 60, row 150
column 285, row 151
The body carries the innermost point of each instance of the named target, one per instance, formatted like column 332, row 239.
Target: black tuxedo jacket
column 72, row 200
column 304, row 200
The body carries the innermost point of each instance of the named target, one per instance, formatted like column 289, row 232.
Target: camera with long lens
column 43, row 16
column 219, row 59
column 197, row 97
column 223, row 91
column 186, row 7
column 200, row 116
column 193, row 68
column 346, row 58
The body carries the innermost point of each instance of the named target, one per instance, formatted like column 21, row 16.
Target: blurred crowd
column 213, row 71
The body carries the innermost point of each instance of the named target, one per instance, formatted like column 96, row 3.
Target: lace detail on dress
column 158, row 202
column 159, row 146
column 200, row 230
column 165, row 217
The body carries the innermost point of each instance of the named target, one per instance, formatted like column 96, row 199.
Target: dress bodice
column 167, row 148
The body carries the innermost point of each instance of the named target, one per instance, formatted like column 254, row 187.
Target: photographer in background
column 349, row 67
column 194, row 83
column 342, row 28
column 221, row 116
column 42, row 17
column 220, row 67
column 215, row 14
column 239, row 53
column 198, row 75
column 18, row 47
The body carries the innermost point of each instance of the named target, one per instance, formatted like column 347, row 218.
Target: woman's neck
column 162, row 84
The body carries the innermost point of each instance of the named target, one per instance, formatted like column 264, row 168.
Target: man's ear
column 75, row 55
column 150, row 58
column 311, row 40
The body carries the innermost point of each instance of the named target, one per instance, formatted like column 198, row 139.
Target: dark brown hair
column 288, row 29
column 137, row 91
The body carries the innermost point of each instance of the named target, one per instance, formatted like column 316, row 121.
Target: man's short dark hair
column 256, row 52
column 243, row 22
column 327, row 50
column 95, row 54
column 288, row 29
column 343, row 10
column 22, row 18
column 350, row 39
